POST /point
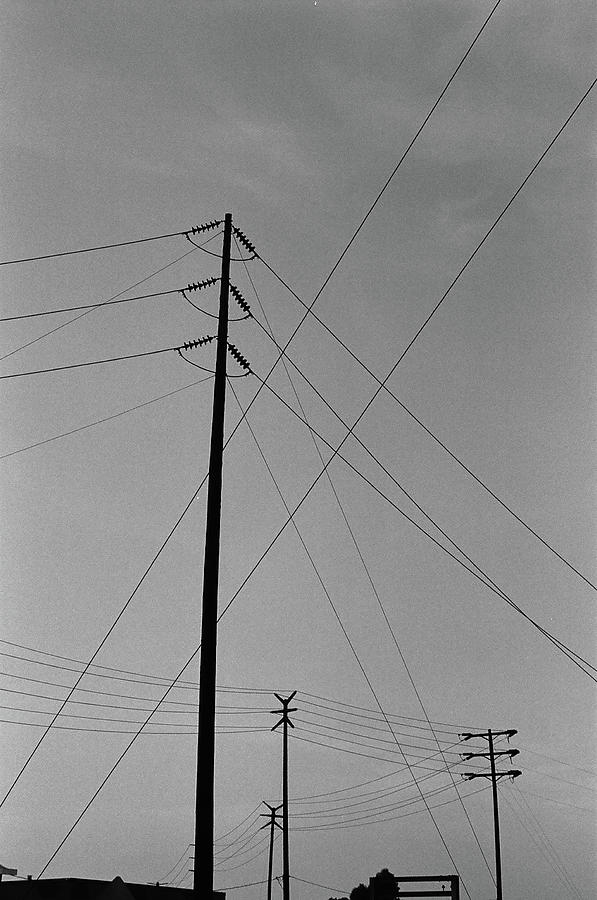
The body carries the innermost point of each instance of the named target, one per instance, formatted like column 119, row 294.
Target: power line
column 185, row 712
column 544, row 837
column 378, row 719
column 89, row 306
column 185, row 855
column 254, row 819
column 372, row 746
column 235, row 887
column 98, row 362
column 324, row 886
column 181, row 686
column 405, row 153
column 265, row 842
column 488, row 232
column 114, row 302
column 544, row 848
column 123, row 412
column 253, row 812
column 297, row 737
column 162, row 678
column 192, row 707
column 369, row 813
column 243, row 845
column 560, row 802
column 367, row 709
column 378, row 793
column 219, row 729
column 157, row 237
column 372, row 799
column 335, row 728
column 314, row 797
column 415, row 812
column 560, row 761
column 454, row 729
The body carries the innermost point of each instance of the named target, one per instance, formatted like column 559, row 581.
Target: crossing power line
column 476, row 572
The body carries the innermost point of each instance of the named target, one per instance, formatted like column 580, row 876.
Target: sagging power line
column 195, row 229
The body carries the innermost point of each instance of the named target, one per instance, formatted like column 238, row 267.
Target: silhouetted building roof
column 89, row 889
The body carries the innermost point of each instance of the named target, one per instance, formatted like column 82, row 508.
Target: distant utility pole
column 285, row 721
column 272, row 824
column 204, row 808
column 494, row 777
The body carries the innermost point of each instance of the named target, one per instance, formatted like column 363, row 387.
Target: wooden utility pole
column 204, row 808
column 285, row 721
column 272, row 824
column 496, row 818
column 494, row 777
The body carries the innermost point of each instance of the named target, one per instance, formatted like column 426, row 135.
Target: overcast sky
column 130, row 119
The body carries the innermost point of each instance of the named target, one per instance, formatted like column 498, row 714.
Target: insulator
column 235, row 352
column 197, row 229
column 199, row 285
column 240, row 299
column 192, row 345
column 244, row 240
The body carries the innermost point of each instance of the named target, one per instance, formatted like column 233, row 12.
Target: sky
column 125, row 120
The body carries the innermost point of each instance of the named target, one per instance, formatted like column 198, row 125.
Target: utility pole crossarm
column 486, row 755
column 512, row 773
column 271, row 815
column 510, row 732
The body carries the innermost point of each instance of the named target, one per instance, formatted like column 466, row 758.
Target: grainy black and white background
column 130, row 119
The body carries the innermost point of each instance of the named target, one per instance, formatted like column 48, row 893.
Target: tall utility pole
column 285, row 721
column 204, row 808
column 272, row 824
column 494, row 777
